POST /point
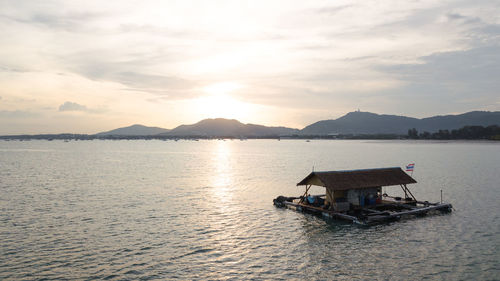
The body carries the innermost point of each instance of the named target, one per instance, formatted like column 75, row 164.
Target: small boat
column 356, row 196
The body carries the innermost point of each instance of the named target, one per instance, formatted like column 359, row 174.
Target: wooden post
column 410, row 192
column 404, row 189
column 305, row 194
column 333, row 204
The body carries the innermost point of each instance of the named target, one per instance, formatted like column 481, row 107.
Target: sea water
column 188, row 210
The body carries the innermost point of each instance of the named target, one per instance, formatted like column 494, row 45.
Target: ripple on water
column 202, row 210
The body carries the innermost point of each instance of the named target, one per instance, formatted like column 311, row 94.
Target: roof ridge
column 356, row 170
column 357, row 179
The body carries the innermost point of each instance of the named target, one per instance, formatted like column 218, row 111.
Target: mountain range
column 228, row 127
column 352, row 123
column 370, row 123
column 134, row 130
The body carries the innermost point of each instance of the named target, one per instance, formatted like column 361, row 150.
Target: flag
column 409, row 167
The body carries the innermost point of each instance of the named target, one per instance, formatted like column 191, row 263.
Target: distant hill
column 228, row 127
column 371, row 123
column 134, row 130
column 352, row 123
column 450, row 122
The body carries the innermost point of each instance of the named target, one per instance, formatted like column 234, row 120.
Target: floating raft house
column 356, row 196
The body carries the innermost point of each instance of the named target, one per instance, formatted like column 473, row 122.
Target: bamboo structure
column 356, row 196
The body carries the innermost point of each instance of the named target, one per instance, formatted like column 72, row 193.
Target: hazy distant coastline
column 354, row 125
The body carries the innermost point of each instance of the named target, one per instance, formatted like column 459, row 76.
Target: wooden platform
column 373, row 214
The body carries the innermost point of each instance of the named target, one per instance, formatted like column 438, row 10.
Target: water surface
column 203, row 210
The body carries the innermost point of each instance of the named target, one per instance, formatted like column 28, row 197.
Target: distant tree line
column 466, row 133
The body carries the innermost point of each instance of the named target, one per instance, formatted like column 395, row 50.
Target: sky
column 92, row 66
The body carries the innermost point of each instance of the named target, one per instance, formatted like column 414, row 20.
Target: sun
column 222, row 106
column 218, row 102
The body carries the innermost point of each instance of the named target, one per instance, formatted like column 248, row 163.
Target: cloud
column 158, row 31
column 65, row 21
column 17, row 114
column 146, row 81
column 463, row 19
column 137, row 70
column 476, row 67
column 305, row 57
column 333, row 10
column 72, row 106
column 455, row 81
column 75, row 107
column 49, row 15
column 4, row 68
column 162, row 85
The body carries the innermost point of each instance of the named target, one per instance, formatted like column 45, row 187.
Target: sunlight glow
column 218, row 103
column 222, row 88
column 222, row 106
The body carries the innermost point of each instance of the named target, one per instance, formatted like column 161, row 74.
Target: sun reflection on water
column 221, row 176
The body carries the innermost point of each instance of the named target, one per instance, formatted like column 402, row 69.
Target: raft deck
column 387, row 210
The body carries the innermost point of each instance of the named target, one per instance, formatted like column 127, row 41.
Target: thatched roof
column 357, row 179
